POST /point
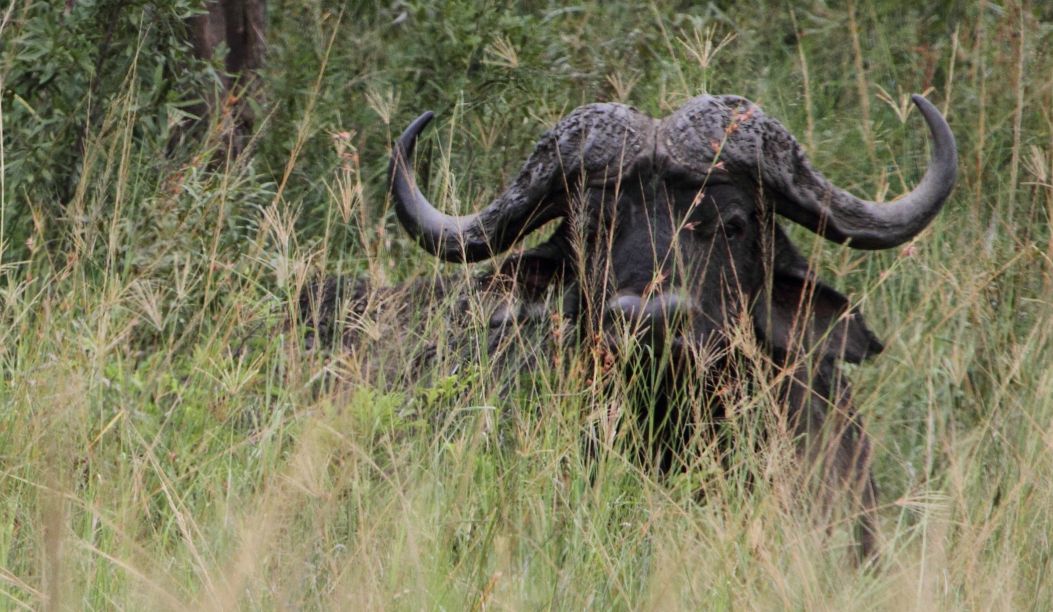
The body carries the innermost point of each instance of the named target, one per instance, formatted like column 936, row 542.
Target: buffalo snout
column 653, row 319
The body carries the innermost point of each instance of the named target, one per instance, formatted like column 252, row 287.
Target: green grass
column 166, row 441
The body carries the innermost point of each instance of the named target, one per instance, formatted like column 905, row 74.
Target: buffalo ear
column 805, row 316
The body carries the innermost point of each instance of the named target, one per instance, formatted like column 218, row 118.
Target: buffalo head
column 669, row 224
column 670, row 221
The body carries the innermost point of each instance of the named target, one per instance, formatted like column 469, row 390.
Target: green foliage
column 166, row 440
column 69, row 68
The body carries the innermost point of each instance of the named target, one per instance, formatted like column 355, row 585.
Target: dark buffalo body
column 667, row 236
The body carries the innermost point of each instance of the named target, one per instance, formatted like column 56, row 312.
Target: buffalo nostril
column 628, row 307
column 669, row 308
column 659, row 313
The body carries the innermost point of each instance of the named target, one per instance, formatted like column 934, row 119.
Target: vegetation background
column 167, row 440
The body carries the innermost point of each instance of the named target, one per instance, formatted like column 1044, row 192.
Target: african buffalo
column 668, row 229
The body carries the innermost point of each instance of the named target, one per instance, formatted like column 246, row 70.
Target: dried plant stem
column 979, row 79
column 809, row 135
column 949, row 85
column 861, row 82
column 1018, row 112
column 1048, row 190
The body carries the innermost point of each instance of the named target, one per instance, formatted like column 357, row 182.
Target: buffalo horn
column 595, row 142
column 811, row 200
column 467, row 238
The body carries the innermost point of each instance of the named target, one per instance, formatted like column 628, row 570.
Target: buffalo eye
column 734, row 226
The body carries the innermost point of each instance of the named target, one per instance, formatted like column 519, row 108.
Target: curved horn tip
column 923, row 104
column 409, row 135
column 421, row 121
column 943, row 138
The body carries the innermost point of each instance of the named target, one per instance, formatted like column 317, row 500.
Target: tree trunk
column 241, row 24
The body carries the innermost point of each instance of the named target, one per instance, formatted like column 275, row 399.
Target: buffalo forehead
column 609, row 141
column 606, row 141
column 708, row 129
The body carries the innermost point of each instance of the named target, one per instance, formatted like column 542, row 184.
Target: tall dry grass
column 168, row 442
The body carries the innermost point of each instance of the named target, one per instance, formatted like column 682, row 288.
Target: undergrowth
column 169, row 440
